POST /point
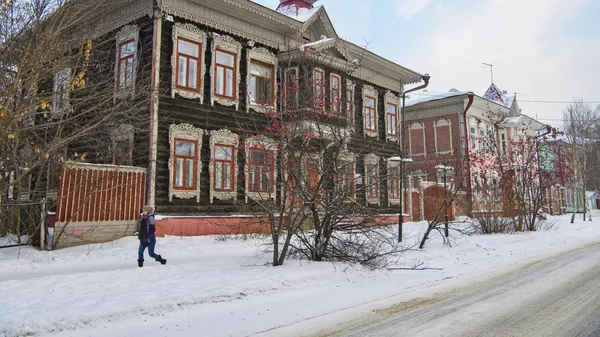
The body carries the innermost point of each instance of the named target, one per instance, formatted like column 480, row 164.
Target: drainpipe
column 155, row 83
column 471, row 96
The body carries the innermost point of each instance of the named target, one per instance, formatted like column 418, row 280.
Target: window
column 443, row 136
column 261, row 83
column 261, row 170
column 394, row 178
column 223, row 172
column 126, row 64
column 122, row 144
column 319, row 88
column 60, row 90
column 346, row 179
column 291, row 88
column 188, row 64
column 336, row 93
column 391, row 115
column 503, row 142
column 473, row 137
column 185, row 164
column 370, row 116
column 350, row 103
column 371, row 181
column 225, row 74
column 313, row 175
column 416, row 137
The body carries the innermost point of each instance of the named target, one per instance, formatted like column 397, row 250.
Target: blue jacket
column 147, row 228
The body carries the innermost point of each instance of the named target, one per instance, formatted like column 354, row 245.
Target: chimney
column 292, row 7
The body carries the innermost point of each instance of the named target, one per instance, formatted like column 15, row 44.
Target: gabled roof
column 493, row 93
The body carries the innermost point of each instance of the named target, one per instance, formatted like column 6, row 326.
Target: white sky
column 544, row 50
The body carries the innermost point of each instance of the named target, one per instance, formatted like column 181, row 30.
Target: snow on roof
column 322, row 41
column 422, row 97
column 511, row 120
column 301, row 14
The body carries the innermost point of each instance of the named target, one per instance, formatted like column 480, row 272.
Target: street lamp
column 444, row 166
column 400, row 159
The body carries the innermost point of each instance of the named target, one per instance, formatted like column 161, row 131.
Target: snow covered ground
column 217, row 288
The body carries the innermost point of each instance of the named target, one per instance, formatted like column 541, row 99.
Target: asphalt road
column 559, row 296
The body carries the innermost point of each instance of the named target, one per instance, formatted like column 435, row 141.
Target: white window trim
column 61, row 96
column 442, row 123
column 350, row 85
column 185, row 131
column 417, row 126
column 392, row 200
column 223, row 137
column 126, row 33
column 229, row 44
column 368, row 90
column 341, row 92
column 304, row 167
column 193, row 33
column 265, row 56
column 390, row 98
column 372, row 160
column 296, row 82
column 265, row 143
column 123, row 132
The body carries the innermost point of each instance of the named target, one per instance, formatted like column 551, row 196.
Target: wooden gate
column 97, row 203
column 434, row 197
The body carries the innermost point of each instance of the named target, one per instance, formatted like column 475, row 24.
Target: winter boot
column 140, row 263
column 161, row 260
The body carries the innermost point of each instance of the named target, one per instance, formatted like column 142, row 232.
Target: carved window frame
column 442, row 123
column 227, row 138
column 265, row 56
column 123, row 133
column 187, row 132
column 393, row 166
column 60, row 90
column 323, row 84
column 417, row 126
column 266, row 144
column 350, row 108
column 127, row 33
column 391, row 99
column 370, row 92
column 305, row 172
column 229, row 45
column 193, row 33
column 371, row 160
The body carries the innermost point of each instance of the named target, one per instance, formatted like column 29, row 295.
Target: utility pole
column 574, row 156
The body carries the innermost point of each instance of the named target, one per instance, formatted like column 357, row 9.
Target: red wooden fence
column 91, row 193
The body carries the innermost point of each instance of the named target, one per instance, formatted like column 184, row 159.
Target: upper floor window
column 319, row 88
column 391, row 115
column 473, row 136
column 291, row 88
column 122, row 144
column 261, row 83
column 350, row 103
column 416, row 138
column 442, row 131
column 336, row 92
column 225, row 74
column 370, row 115
column 188, row 64
column 126, row 64
column 60, row 90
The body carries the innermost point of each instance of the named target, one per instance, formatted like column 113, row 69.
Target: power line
column 520, row 100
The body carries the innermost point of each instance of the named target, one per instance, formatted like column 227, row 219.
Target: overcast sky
column 544, row 50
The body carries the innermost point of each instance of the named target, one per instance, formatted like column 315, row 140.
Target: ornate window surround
column 193, row 33
column 60, row 90
column 372, row 160
column 331, row 98
column 223, row 137
column 228, row 44
column 369, row 91
column 323, row 85
column 262, row 55
column 189, row 132
column 346, row 157
column 350, row 86
column 124, row 132
column 129, row 32
column 391, row 199
column 390, row 98
column 294, row 85
column 319, row 159
column 442, row 122
column 417, row 126
column 264, row 143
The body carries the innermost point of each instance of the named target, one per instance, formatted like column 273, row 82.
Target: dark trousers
column 150, row 246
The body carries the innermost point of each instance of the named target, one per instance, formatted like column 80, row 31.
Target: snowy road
column 559, row 296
